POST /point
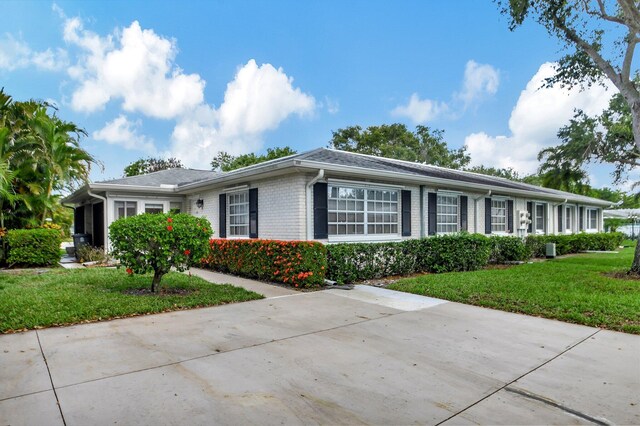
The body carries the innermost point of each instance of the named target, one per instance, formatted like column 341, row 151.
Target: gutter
column 104, row 219
column 308, row 209
column 475, row 210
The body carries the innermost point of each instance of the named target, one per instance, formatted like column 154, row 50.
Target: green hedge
column 509, row 249
column 349, row 262
column 575, row 243
column 296, row 263
column 33, row 247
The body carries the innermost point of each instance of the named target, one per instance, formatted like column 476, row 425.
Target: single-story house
column 337, row 196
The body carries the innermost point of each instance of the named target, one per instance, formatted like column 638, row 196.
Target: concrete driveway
column 366, row 356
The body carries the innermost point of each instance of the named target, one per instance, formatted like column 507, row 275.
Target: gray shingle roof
column 350, row 159
column 165, row 177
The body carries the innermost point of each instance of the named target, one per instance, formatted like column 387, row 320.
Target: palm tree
column 61, row 162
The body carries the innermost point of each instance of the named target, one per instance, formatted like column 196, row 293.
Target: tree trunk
column 157, row 277
column 635, row 266
column 635, row 120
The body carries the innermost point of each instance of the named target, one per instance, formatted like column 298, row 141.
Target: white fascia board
column 422, row 180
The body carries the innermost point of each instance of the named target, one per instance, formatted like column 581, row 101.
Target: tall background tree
column 425, row 145
column 226, row 162
column 601, row 37
column 150, row 165
column 40, row 157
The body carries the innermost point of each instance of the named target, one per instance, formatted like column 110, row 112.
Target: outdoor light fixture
column 200, row 203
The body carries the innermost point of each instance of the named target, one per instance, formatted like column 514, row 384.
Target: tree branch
column 625, row 72
column 604, row 15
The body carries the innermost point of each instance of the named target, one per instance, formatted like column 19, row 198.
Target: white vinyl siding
column 447, row 214
column 498, row 216
column 238, row 214
column 125, row 209
column 362, row 211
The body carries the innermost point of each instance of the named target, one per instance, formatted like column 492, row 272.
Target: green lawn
column 61, row 297
column 571, row 289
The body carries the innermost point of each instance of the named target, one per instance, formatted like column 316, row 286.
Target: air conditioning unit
column 550, row 250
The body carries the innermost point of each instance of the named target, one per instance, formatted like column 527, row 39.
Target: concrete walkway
column 266, row 289
column 321, row 358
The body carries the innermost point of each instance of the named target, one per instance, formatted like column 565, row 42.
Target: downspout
column 313, row 181
column 423, row 222
column 104, row 219
column 475, row 210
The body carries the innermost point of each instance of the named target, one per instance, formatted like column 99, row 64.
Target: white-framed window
column 153, row 208
column 362, row 211
column 175, row 206
column 238, row 214
column 498, row 215
column 125, row 208
column 539, row 218
column 591, row 220
column 568, row 219
column 447, row 214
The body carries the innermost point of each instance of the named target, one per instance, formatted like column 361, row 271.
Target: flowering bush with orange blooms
column 158, row 242
column 300, row 264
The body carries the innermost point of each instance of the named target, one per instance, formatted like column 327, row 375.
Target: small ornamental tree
column 157, row 242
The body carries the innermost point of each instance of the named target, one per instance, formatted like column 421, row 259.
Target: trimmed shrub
column 509, row 249
column 297, row 263
column 575, row 243
column 349, row 262
column 158, row 242
column 33, row 247
column 455, row 253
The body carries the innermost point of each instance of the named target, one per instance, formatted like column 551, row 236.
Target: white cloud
column 133, row 65
column 124, row 133
column 420, row 110
column 16, row 54
column 332, row 105
column 256, row 101
column 534, row 123
column 479, row 81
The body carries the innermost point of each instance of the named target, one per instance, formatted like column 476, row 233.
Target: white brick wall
column 280, row 207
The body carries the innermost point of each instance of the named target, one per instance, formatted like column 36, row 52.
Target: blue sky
column 188, row 79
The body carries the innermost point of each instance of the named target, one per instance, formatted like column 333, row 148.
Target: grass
column 62, row 297
column 573, row 289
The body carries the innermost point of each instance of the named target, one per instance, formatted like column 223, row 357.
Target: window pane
column 347, row 207
column 153, row 208
column 175, row 206
column 498, row 216
column 446, row 214
column 239, row 214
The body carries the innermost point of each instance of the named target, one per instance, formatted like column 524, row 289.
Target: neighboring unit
column 336, row 196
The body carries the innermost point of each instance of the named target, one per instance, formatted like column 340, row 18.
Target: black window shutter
column 432, row 212
column 487, row 215
column 560, row 209
column 531, row 218
column 510, row 216
column 406, row 213
column 464, row 226
column 320, row 217
column 78, row 220
column 581, row 219
column 544, row 218
column 253, row 213
column 222, row 215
